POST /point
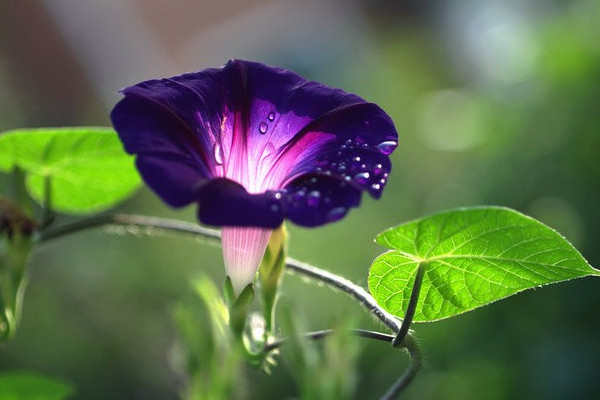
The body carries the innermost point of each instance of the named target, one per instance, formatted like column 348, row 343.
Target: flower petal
column 250, row 142
column 316, row 199
column 243, row 250
column 226, row 203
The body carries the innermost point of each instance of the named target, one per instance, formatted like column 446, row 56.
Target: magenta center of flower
column 263, row 153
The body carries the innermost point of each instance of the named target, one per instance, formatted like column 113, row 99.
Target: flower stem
column 401, row 339
column 348, row 287
column 409, row 344
column 412, row 306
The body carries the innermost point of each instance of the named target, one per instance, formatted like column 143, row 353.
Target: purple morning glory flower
column 254, row 145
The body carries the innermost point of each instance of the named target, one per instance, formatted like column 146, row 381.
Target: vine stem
column 402, row 337
column 409, row 344
column 189, row 228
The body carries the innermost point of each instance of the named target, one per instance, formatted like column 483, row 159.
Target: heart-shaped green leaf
column 87, row 168
column 472, row 257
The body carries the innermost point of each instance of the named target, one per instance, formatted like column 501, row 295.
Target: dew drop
column 363, row 166
column 378, row 169
column 348, row 142
column 299, row 195
column 262, row 128
column 336, row 213
column 387, row 147
column 278, row 196
column 218, row 153
column 376, row 186
column 362, row 177
column 347, row 178
column 313, row 198
column 271, row 116
column 269, row 150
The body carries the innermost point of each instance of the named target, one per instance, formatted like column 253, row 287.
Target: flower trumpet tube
column 254, row 145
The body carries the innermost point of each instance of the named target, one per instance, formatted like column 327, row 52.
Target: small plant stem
column 189, row 228
column 47, row 214
column 348, row 287
column 416, row 363
column 126, row 220
column 412, row 306
column 401, row 339
column 409, row 344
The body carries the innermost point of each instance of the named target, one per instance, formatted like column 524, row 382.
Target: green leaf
column 86, row 167
column 472, row 257
column 21, row 385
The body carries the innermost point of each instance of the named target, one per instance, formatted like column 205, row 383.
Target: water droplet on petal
column 362, row 177
column 299, row 195
column 376, row 186
column 262, row 128
column 348, row 142
column 271, row 116
column 387, row 147
column 378, row 169
column 313, row 198
column 278, row 196
column 336, row 213
column 218, row 153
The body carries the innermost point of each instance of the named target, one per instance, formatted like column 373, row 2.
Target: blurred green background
column 496, row 102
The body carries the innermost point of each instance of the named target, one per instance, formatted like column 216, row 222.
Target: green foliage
column 85, row 168
column 324, row 369
column 211, row 364
column 21, row 385
column 472, row 257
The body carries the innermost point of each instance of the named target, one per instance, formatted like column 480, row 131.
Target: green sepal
column 238, row 307
column 270, row 272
